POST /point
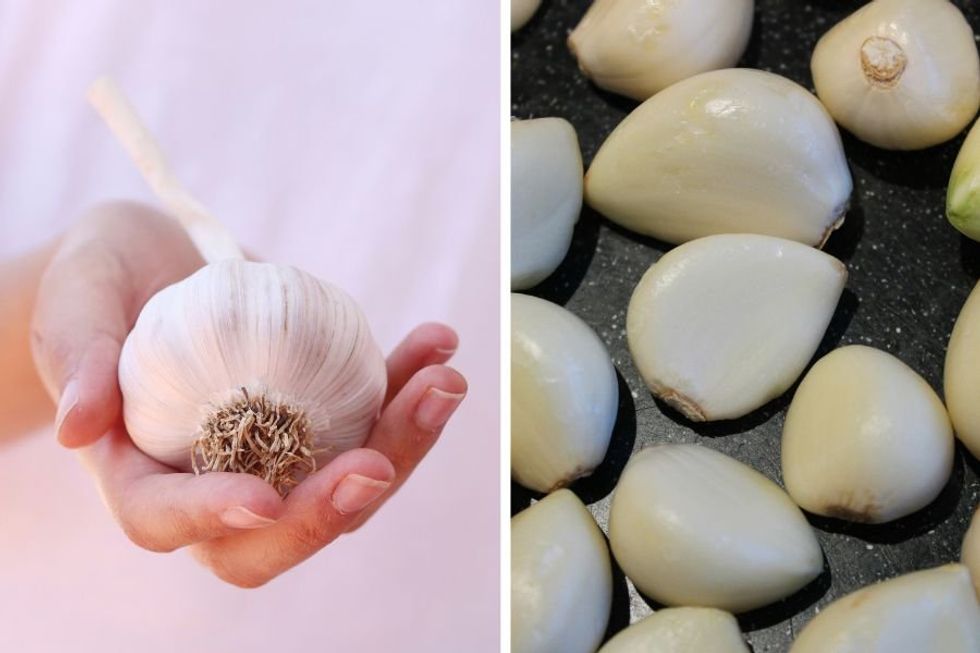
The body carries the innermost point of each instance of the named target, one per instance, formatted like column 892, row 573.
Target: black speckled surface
column 909, row 274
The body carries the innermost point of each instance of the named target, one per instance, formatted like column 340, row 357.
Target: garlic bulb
column 691, row 526
column 638, row 47
column 933, row 610
column 521, row 11
column 680, row 630
column 728, row 151
column 865, row 438
column 545, row 197
column 963, row 194
column 564, row 395
column 961, row 377
column 241, row 367
column 560, row 578
column 970, row 555
column 900, row 74
column 723, row 324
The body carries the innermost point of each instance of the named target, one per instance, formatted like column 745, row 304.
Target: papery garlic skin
column 521, row 11
column 564, row 395
column 638, row 47
column 273, row 330
column 963, row 194
column 560, row 578
column 933, row 610
column 728, row 151
column 545, row 197
column 900, row 74
column 680, row 630
column 865, row 438
column 970, row 555
column 721, row 325
column 691, row 526
column 961, row 377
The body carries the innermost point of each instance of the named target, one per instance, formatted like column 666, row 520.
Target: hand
column 235, row 524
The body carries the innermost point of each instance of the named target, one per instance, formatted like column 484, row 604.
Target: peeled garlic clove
column 681, row 630
column 970, row 555
column 728, row 151
column 933, row 610
column 545, row 197
column 961, row 379
column 723, row 324
column 691, row 526
column 560, row 578
column 637, row 48
column 865, row 439
column 963, row 194
column 900, row 74
column 521, row 12
column 564, row 395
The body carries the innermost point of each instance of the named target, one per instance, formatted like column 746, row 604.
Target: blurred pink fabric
column 357, row 140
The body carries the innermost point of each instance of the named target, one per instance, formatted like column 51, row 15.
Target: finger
column 162, row 510
column 428, row 344
column 317, row 511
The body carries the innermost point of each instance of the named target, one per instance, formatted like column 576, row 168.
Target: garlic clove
column 521, row 11
column 564, row 395
column 546, row 197
column 961, row 377
column 970, row 555
column 933, row 610
column 560, row 578
column 691, row 526
column 637, row 48
column 963, row 194
column 865, row 438
column 681, row 630
column 900, row 74
column 728, row 151
column 723, row 324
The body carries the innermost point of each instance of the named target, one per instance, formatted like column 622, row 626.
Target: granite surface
column 909, row 274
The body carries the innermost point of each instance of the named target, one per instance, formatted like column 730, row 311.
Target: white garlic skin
column 970, row 555
column 271, row 329
column 727, row 151
column 932, row 611
column 691, row 526
column 560, row 578
column 521, row 11
column 564, row 395
column 639, row 47
column 865, row 438
column 545, row 197
column 961, row 377
column 721, row 325
column 680, row 630
column 900, row 74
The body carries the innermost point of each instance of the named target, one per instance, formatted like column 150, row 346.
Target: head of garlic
column 727, row 151
column 522, row 11
column 900, row 74
column 680, row 630
column 970, row 554
column 961, row 374
column 637, row 47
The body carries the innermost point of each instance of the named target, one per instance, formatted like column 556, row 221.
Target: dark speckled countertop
column 910, row 273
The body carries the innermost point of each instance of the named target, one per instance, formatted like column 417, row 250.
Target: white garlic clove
column 961, row 378
column 681, row 630
column 545, row 197
column 637, row 48
column 280, row 334
column 933, row 610
column 970, row 555
column 564, row 395
column 691, row 526
column 865, row 438
column 723, row 324
column 728, row 151
column 521, row 11
column 900, row 74
column 560, row 578
column 963, row 194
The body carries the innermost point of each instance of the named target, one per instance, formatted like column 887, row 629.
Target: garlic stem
column 209, row 236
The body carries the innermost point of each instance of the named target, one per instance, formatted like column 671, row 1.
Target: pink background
column 357, row 140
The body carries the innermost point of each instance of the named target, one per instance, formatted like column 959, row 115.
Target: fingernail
column 355, row 492
column 242, row 517
column 67, row 402
column 435, row 409
column 446, row 351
